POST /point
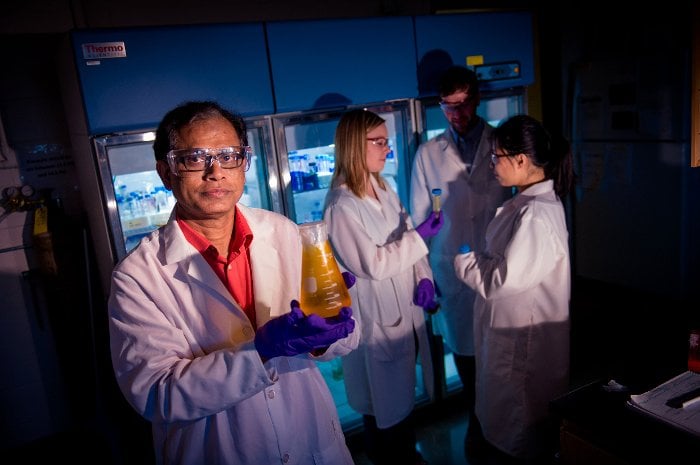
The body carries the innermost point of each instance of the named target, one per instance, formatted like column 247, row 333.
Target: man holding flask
column 203, row 341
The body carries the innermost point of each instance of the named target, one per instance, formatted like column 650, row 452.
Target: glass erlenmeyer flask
column 323, row 290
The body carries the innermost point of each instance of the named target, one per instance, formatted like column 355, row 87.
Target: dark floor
column 440, row 440
column 616, row 334
column 440, row 432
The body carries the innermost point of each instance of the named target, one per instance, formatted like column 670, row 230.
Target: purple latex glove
column 349, row 279
column 425, row 296
column 293, row 334
column 431, row 226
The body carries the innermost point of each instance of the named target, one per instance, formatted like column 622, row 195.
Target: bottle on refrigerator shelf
column 297, row 170
column 311, row 177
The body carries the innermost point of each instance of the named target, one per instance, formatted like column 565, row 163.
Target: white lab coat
column 521, row 314
column 184, row 356
column 469, row 202
column 376, row 242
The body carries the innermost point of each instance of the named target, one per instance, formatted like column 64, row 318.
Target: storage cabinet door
column 336, row 63
column 131, row 77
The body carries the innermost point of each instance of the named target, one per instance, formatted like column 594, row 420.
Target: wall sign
column 99, row 50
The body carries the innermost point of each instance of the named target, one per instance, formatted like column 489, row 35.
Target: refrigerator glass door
column 135, row 200
column 494, row 108
column 262, row 188
column 306, row 150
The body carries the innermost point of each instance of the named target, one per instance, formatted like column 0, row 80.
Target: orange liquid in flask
column 323, row 290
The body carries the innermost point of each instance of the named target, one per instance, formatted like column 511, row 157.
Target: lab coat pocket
column 390, row 343
column 333, row 453
column 382, row 303
column 502, row 348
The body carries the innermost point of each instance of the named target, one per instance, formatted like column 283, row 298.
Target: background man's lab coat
column 469, row 202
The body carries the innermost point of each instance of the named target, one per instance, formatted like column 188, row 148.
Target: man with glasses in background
column 203, row 341
column 457, row 162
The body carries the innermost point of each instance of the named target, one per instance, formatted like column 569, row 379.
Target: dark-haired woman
column 523, row 282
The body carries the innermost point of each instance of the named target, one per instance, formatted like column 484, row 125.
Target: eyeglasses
column 455, row 107
column 495, row 157
column 379, row 141
column 184, row 161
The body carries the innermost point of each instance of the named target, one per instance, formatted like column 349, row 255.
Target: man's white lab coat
column 184, row 355
column 523, row 281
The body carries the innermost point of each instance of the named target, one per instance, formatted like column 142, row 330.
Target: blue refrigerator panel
column 498, row 46
column 335, row 63
column 130, row 78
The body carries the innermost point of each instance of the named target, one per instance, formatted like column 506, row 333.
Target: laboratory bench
column 597, row 427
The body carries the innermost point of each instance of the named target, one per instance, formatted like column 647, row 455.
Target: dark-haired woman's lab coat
column 521, row 317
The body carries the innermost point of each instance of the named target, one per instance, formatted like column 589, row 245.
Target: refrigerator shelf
column 129, row 233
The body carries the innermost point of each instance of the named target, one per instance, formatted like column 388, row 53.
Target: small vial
column 436, row 199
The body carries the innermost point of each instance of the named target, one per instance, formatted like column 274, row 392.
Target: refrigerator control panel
column 494, row 72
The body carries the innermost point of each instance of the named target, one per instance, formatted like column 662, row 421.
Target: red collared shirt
column 233, row 270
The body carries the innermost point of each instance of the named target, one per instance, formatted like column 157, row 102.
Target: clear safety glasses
column 379, row 141
column 495, row 156
column 456, row 107
column 189, row 162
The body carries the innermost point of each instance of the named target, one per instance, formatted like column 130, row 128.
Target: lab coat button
column 270, row 394
column 285, row 458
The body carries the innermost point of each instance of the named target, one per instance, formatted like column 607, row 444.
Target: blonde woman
column 373, row 238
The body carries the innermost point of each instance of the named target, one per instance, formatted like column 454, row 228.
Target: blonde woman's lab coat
column 376, row 242
column 521, row 316
column 184, row 356
column 469, row 201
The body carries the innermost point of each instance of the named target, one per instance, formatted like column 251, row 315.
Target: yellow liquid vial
column 323, row 290
column 436, row 199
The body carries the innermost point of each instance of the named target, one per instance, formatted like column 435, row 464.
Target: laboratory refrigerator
column 118, row 83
